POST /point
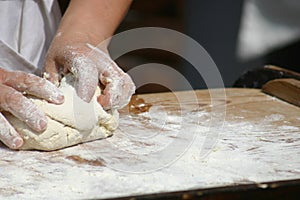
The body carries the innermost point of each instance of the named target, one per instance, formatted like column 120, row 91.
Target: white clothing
column 267, row 25
column 26, row 30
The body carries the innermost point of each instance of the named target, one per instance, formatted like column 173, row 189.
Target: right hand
column 90, row 66
column 12, row 85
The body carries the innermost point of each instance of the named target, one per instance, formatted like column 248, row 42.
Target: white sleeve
column 27, row 28
column 13, row 61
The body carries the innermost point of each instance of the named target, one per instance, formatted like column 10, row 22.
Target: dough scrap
column 71, row 123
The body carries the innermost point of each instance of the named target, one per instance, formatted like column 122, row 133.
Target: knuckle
column 82, row 65
column 10, row 99
column 31, row 80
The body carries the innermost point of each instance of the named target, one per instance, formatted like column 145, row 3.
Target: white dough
column 73, row 122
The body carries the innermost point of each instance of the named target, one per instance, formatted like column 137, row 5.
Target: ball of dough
column 70, row 123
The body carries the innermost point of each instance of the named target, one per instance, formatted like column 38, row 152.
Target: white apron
column 26, row 30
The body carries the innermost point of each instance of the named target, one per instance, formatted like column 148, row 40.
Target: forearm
column 95, row 19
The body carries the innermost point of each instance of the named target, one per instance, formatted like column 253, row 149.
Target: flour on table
column 73, row 122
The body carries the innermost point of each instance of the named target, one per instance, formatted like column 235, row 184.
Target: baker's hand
column 89, row 66
column 12, row 85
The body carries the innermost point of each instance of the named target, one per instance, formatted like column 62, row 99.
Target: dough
column 73, row 122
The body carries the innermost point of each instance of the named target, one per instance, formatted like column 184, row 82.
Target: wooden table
column 173, row 146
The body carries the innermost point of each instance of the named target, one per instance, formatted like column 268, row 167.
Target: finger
column 117, row 93
column 105, row 100
column 110, row 99
column 111, row 95
column 8, row 134
column 86, row 75
column 34, row 85
column 104, row 61
column 128, row 89
column 118, row 85
column 51, row 71
column 22, row 108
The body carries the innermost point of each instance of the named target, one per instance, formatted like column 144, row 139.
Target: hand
column 12, row 85
column 89, row 66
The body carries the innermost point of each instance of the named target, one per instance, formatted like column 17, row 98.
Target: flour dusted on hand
column 73, row 122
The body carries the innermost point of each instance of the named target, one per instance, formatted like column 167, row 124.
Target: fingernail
column 60, row 98
column 17, row 143
column 42, row 124
column 57, row 98
column 86, row 99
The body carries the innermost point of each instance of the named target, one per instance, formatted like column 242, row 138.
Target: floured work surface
column 178, row 143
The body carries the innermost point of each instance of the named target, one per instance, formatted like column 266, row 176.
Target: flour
column 73, row 122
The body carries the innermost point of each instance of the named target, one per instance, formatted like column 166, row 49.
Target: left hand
column 72, row 53
column 13, row 84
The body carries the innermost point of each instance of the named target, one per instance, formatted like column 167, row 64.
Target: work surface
column 165, row 145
